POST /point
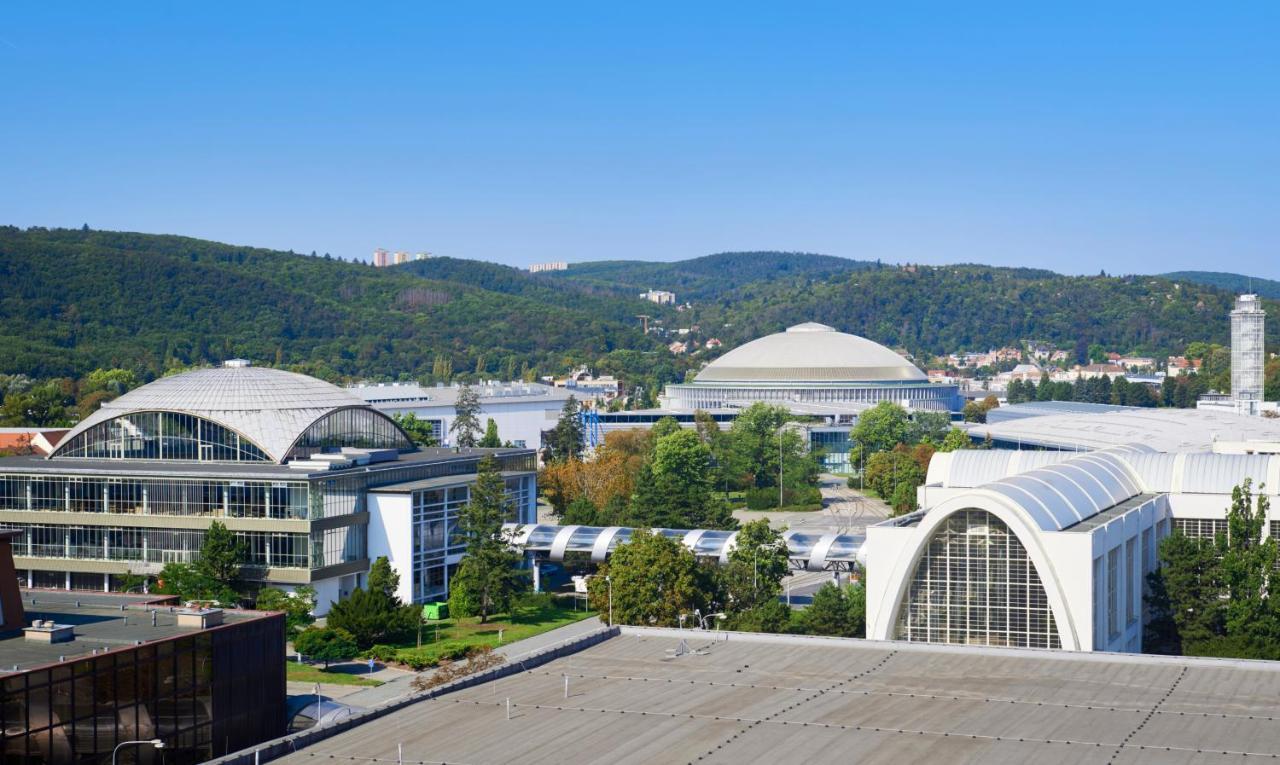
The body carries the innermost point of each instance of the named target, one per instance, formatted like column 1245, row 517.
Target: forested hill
column 74, row 300
column 935, row 310
column 708, row 277
column 1238, row 283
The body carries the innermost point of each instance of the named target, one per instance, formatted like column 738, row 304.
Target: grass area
column 452, row 638
column 309, row 673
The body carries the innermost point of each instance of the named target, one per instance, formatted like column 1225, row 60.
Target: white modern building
column 311, row 479
column 814, row 364
column 522, row 411
column 1045, row 549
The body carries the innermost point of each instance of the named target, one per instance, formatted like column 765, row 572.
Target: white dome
column 269, row 407
column 811, row 352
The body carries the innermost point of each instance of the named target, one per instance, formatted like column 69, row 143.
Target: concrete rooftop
column 100, row 625
column 822, row 700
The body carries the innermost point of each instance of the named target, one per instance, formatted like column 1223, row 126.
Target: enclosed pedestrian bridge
column 808, row 551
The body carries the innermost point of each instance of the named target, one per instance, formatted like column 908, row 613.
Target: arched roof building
column 1045, row 549
column 811, row 363
column 233, row 413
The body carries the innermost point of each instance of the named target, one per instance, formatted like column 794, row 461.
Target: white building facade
column 1045, row 549
column 522, row 411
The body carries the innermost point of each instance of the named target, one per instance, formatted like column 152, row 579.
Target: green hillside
column 75, row 300
column 707, row 277
column 934, row 310
column 1237, row 283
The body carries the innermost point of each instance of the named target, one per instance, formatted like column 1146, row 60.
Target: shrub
column 767, row 499
column 326, row 644
column 382, row 653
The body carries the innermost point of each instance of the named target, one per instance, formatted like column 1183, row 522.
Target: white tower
column 1247, row 355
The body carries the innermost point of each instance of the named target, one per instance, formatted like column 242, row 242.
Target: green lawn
column 450, row 637
column 308, row 673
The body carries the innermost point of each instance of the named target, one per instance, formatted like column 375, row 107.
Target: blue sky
column 1131, row 137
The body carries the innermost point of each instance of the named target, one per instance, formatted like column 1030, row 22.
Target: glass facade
column 162, row 436
column 160, row 546
column 435, row 514
column 155, row 496
column 205, row 694
column 53, row 535
column 356, row 428
column 976, row 585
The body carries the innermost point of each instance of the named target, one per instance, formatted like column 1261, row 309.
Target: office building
column 286, row 461
column 84, row 674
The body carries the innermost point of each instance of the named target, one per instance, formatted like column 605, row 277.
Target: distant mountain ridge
column 1237, row 283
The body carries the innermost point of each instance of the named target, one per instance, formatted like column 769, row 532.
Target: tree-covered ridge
column 77, row 300
column 936, row 310
column 496, row 277
column 707, row 277
column 1238, row 283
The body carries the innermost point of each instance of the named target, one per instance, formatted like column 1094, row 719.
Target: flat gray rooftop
column 99, row 622
column 802, row 701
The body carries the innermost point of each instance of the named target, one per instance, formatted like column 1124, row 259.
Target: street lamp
column 609, row 581
column 157, row 743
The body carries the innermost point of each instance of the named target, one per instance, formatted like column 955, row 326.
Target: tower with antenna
column 1247, row 356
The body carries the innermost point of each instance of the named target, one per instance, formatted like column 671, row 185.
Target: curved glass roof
column 811, row 352
column 270, row 408
column 815, row 551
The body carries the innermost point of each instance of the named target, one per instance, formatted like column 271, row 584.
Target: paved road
column 844, row 510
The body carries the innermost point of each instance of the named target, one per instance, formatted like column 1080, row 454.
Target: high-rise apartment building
column 558, row 265
column 381, row 258
column 401, row 257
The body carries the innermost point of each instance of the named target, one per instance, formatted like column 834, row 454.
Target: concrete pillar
column 106, row 583
column 67, row 580
column 537, row 576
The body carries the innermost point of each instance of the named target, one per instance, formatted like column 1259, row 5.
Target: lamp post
column 780, row 429
column 609, row 581
column 157, row 743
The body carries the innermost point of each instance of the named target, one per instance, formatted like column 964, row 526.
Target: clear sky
column 1131, row 137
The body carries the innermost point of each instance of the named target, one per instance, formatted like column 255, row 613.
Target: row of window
column 264, row 549
column 156, row 496
column 1131, row 563
column 162, row 436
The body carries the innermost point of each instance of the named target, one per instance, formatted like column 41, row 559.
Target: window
column 1201, row 528
column 1113, row 575
column 975, row 584
column 162, row 436
column 1132, row 572
column 356, row 427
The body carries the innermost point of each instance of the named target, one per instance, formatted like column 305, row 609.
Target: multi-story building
column 401, row 257
column 381, row 258
column 661, row 297
column 558, row 265
column 99, row 678
column 286, row 461
column 522, row 411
